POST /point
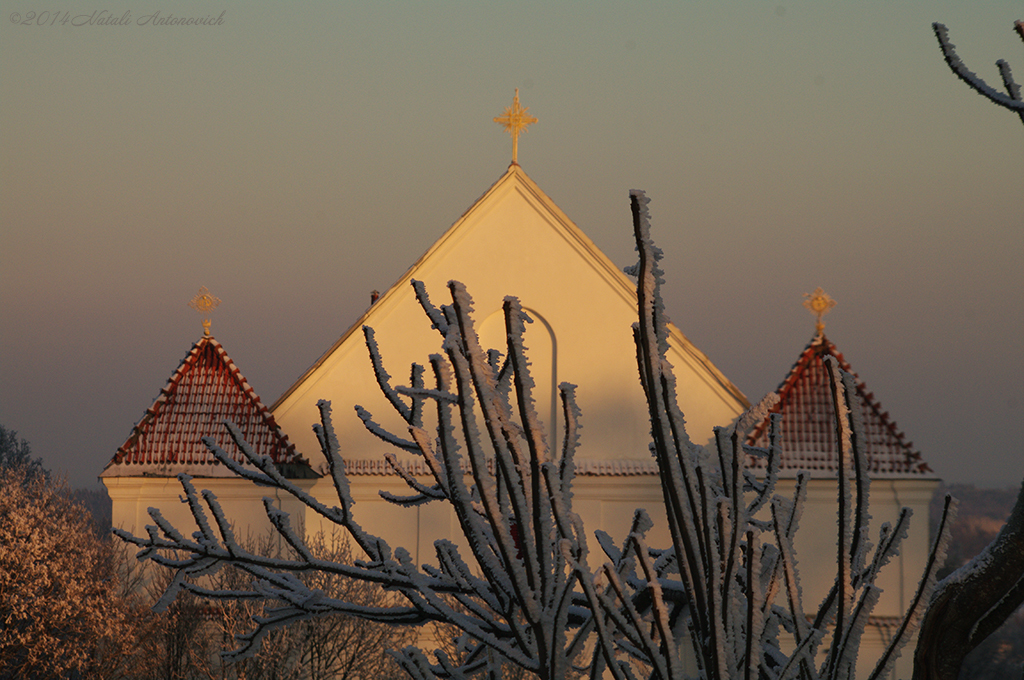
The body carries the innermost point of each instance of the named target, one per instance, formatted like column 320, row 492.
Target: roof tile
column 808, row 434
column 205, row 390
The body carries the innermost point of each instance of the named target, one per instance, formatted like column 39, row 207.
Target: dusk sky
column 297, row 156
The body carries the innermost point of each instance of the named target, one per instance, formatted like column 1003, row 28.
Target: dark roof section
column 808, row 430
column 205, row 390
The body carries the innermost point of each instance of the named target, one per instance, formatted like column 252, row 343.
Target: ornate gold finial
column 204, row 302
column 515, row 121
column 819, row 304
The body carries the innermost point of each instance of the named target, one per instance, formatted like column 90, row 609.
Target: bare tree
column 341, row 647
column 182, row 645
column 513, row 595
column 1011, row 100
column 329, row 647
column 973, row 602
column 733, row 536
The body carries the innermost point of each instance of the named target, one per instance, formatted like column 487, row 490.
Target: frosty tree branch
column 730, row 573
column 514, row 594
column 1011, row 100
column 973, row 601
column 526, row 593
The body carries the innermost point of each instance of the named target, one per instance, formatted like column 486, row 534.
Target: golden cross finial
column 819, row 304
column 204, row 302
column 515, row 120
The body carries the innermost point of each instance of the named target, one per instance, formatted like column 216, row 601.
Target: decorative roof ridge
column 167, row 390
column 185, row 366
column 820, row 346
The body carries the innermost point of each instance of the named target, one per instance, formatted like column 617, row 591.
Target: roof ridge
column 806, row 436
column 569, row 230
column 206, row 389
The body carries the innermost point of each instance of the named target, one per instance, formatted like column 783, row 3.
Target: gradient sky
column 300, row 155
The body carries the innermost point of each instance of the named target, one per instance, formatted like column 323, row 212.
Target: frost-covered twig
column 525, row 592
column 516, row 593
column 1011, row 100
column 711, row 498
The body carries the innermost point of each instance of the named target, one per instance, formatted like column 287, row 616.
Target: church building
column 582, row 306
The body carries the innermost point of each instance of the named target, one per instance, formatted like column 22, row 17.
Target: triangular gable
column 205, row 390
column 515, row 241
column 808, row 421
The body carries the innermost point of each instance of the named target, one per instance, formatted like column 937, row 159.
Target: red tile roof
column 808, row 431
column 206, row 390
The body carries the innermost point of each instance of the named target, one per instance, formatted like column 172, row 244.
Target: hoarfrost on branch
column 526, row 594
column 1011, row 100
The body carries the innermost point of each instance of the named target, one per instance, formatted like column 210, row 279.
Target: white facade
column 513, row 241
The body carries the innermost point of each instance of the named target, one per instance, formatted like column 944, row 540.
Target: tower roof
column 808, row 439
column 205, row 390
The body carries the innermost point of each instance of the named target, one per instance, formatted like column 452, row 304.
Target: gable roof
column 514, row 240
column 205, row 390
column 516, row 179
column 808, row 431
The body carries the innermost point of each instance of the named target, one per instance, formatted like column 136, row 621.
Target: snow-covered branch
column 524, row 592
column 733, row 565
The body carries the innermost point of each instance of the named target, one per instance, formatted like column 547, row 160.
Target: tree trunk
column 972, row 602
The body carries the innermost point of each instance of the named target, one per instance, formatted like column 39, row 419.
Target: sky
column 292, row 157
